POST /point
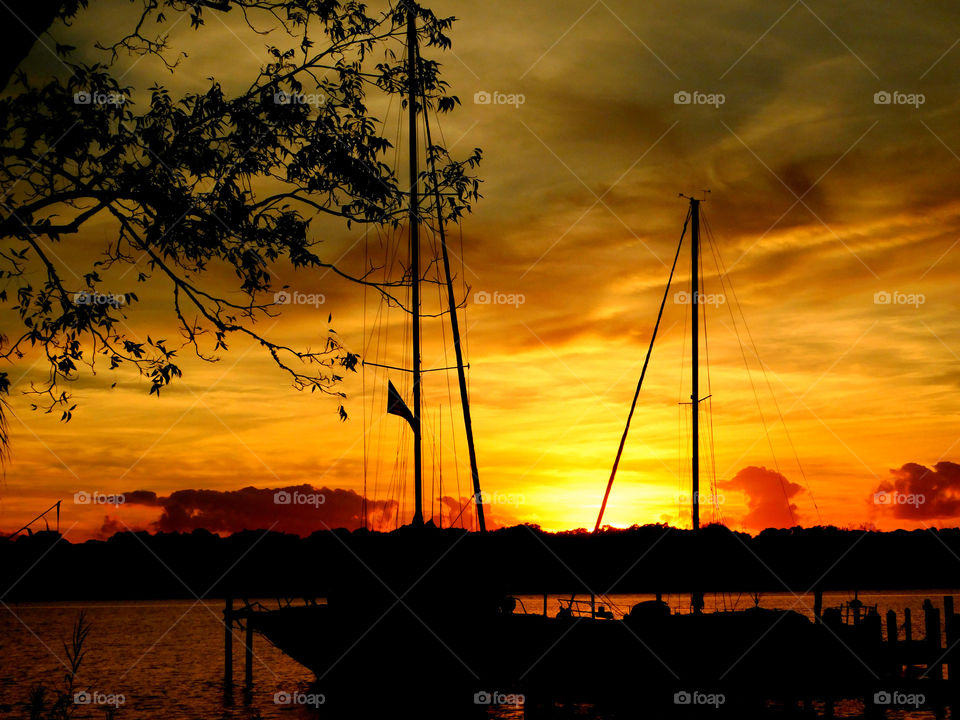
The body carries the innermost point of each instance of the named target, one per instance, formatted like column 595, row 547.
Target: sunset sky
column 823, row 202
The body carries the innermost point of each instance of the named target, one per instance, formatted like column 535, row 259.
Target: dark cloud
column 920, row 493
column 768, row 495
column 298, row 509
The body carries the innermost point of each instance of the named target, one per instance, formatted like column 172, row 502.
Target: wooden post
column 931, row 627
column 817, row 603
column 228, row 643
column 593, row 606
column 892, row 627
column 544, row 604
column 248, row 656
column 907, row 626
column 950, row 627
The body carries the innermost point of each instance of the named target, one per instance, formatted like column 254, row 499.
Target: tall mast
column 415, row 257
column 694, row 358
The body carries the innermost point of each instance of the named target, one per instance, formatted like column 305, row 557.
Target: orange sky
column 820, row 199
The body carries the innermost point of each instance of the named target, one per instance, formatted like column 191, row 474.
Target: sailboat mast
column 694, row 358
column 415, row 258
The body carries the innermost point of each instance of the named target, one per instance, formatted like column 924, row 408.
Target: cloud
column 309, row 509
column 298, row 509
column 921, row 493
column 768, row 495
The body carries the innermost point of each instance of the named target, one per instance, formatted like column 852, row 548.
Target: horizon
column 831, row 207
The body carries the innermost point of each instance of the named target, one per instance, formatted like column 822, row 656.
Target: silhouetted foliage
column 521, row 559
column 193, row 184
column 60, row 703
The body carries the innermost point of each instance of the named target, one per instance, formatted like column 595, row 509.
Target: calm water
column 166, row 658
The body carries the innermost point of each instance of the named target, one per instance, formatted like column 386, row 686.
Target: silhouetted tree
column 188, row 184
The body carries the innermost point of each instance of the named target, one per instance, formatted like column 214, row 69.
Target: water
column 166, row 658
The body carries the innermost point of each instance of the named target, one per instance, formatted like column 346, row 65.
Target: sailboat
column 404, row 622
column 399, row 614
column 656, row 658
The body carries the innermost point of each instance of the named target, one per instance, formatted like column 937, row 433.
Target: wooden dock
column 900, row 657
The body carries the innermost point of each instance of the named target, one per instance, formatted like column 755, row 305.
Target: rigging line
column 445, row 345
column 383, row 330
column 465, row 341
column 466, row 338
column 399, row 470
column 763, row 420
column 705, row 447
column 643, row 372
column 363, row 385
column 769, row 386
column 380, row 340
column 454, row 326
column 373, row 389
column 708, row 414
column 681, row 451
column 440, row 476
column 756, row 395
column 433, row 475
column 443, row 333
column 773, row 396
column 459, row 516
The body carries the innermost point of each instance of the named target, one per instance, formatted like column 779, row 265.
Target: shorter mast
column 694, row 357
column 696, row 595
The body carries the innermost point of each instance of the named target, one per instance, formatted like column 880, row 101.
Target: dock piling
column 950, row 629
column 248, row 656
column 931, row 627
column 228, row 643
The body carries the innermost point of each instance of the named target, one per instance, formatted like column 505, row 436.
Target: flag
column 396, row 405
